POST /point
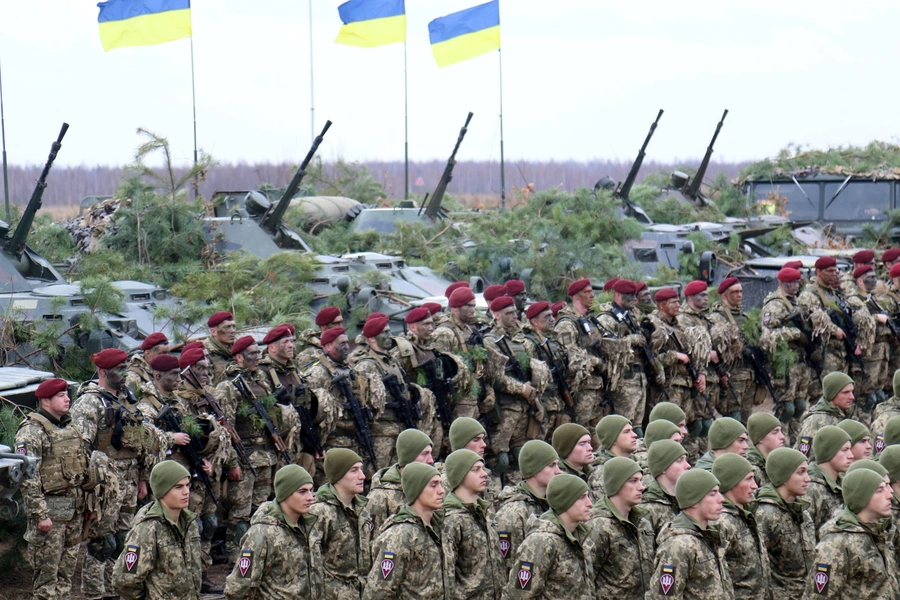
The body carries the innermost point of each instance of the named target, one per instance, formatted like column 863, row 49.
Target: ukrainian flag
column 370, row 23
column 465, row 34
column 143, row 22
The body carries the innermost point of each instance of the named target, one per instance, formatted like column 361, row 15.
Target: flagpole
column 194, row 107
column 502, row 162
column 3, row 135
column 312, row 107
column 405, row 129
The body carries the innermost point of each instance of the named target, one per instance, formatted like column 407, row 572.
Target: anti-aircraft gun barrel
column 434, row 205
column 16, row 243
column 693, row 191
column 275, row 213
column 623, row 192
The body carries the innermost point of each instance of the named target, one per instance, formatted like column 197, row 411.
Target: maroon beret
column 787, row 275
column 609, row 284
column 727, row 283
column 665, row 294
column 461, row 297
column 793, row 264
column 50, row 388
column 276, row 333
column 374, row 326
column 194, row 344
column 577, row 285
column 455, row 286
column 556, row 307
column 492, row 292
column 501, row 303
column 890, row 254
column 191, row 357
column 376, row 315
column 154, row 339
column 109, row 358
column 826, row 262
column 864, row 256
column 640, row 285
column 895, row 271
column 417, row 314
column 164, row 362
column 862, row 270
column 515, row 286
column 536, row 309
column 625, row 286
column 332, row 334
column 695, row 287
column 216, row 318
column 327, row 315
column 241, row 344
column 433, row 307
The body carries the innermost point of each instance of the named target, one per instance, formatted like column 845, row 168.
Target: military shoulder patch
column 387, row 565
column 245, row 562
column 879, row 443
column 525, row 575
column 667, row 579
column 766, row 318
column 805, row 445
column 20, row 448
column 823, row 572
column 131, row 557
column 505, row 544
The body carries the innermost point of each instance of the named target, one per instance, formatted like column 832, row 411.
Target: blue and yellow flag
column 143, row 22
column 465, row 34
column 370, row 23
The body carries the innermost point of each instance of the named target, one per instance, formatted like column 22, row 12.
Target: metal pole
column 3, row 135
column 194, row 106
column 312, row 108
column 502, row 162
column 405, row 130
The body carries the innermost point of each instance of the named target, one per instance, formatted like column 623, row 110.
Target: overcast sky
column 582, row 79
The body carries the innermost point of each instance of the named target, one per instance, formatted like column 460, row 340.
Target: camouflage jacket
column 821, row 414
column 382, row 365
column 472, row 561
column 618, row 329
column 552, row 563
column 499, row 372
column 758, row 461
column 864, row 320
column 883, row 413
column 277, row 559
column 219, row 357
column 853, row 560
column 622, row 553
column 690, row 563
column 695, row 340
column 727, row 335
column 595, row 479
column 777, row 313
column 690, row 318
column 584, row 472
column 824, row 496
column 218, row 450
column 788, row 534
column 343, row 537
column 139, row 372
column 573, row 372
column 816, row 300
column 661, row 506
column 309, row 345
column 748, row 561
column 160, row 559
column 279, row 374
column 453, row 337
column 575, row 334
column 516, row 506
column 706, row 461
column 386, row 497
column 407, row 561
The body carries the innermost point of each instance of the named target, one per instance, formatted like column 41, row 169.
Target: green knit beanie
column 781, row 464
column 462, row 431
column 662, row 454
column 164, row 476
column 566, row 436
column 458, row 465
column 724, row 431
column 535, row 455
column 609, row 428
column 338, row 461
column 730, row 469
column 761, row 424
column 897, row 383
column 868, row 463
column 854, row 429
column 858, row 488
column 892, row 432
column 414, row 478
column 833, row 383
column 659, row 430
column 288, row 480
column 828, row 441
column 616, row 471
column 890, row 460
column 563, row 490
column 667, row 411
column 410, row 444
column 693, row 486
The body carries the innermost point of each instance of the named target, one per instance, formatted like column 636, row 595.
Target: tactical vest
column 512, row 348
column 65, row 465
column 384, row 369
column 244, row 423
column 558, row 354
column 132, row 428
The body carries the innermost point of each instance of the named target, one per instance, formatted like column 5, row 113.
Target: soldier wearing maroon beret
column 645, row 304
column 694, row 316
column 308, row 340
column 492, row 292
column 515, row 289
column 139, row 372
column 873, row 335
column 737, row 382
column 862, row 258
column 889, row 258
column 222, row 333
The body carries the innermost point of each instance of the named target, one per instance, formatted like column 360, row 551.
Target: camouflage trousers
column 384, row 437
column 835, row 360
column 202, row 505
column 630, row 398
column 893, row 367
column 53, row 554
column 96, row 575
column 588, row 406
column 511, row 432
column 555, row 418
column 694, row 407
column 740, row 382
column 245, row 496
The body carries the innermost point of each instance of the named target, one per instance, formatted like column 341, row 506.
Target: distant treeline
column 66, row 186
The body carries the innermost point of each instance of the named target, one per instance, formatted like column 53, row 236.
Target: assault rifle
column 843, row 318
column 409, row 410
column 757, row 357
column 361, row 416
column 691, row 369
column 723, row 373
column 116, row 417
column 558, row 370
column 812, row 344
column 241, row 386
column 515, row 368
column 309, row 434
column 650, row 360
column 873, row 302
column 441, row 388
column 171, row 421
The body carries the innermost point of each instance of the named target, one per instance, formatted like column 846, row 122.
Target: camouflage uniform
column 584, row 472
column 456, row 338
column 883, row 413
column 386, row 497
column 516, row 506
column 219, row 358
column 853, row 560
column 867, row 369
column 595, row 479
column 622, row 552
column 278, row 560
column 695, row 323
column 877, row 357
column 472, row 561
column 690, row 563
column 552, row 563
column 788, row 534
column 816, row 300
column 139, row 372
column 728, row 338
column 309, row 345
column 748, row 561
column 278, row 375
column 53, row 493
column 889, row 298
column 554, row 406
column 630, row 394
column 824, row 497
column 822, row 414
column 161, row 559
column 343, row 537
column 758, row 462
column 407, row 561
column 661, row 507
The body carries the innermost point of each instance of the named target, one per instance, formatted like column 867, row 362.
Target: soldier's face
column 699, row 301
column 477, row 445
column 466, row 312
column 476, row 478
column 797, row 483
column 543, row 477
column 827, row 277
column 862, row 449
column 740, row 445
column 586, row 296
column 868, row 282
column 283, row 349
column 844, row 398
column 677, row 469
column 580, row 512
column 644, row 297
column 179, row 497
column 425, row 456
column 627, row 440
column 433, row 495
column 57, row 405
column 520, row 299
column 627, row 301
column 682, row 427
column 508, row 317
column 301, row 500
column 582, row 454
column 632, row 491
column 670, row 308
column 544, row 321
column 843, row 459
column 168, row 381
column 249, row 358
column 734, row 296
column 201, row 371
column 354, row 481
column 384, row 339
column 115, row 377
column 425, row 328
column 224, row 333
column 774, row 439
column 791, row 288
column 157, row 350
column 745, row 490
column 880, row 502
column 339, row 349
column 710, row 508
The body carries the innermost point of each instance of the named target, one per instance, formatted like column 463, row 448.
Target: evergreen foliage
column 875, row 157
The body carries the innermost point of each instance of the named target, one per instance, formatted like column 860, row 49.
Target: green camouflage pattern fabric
column 220, row 358
column 595, row 479
column 824, row 496
column 516, row 507
column 622, row 554
column 821, row 414
column 883, row 413
column 788, row 534
column 748, row 561
column 630, row 395
column 815, row 300
column 386, row 497
column 758, row 462
column 661, row 506
column 472, row 560
column 139, row 372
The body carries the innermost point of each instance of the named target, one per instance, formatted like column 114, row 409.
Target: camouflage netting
column 86, row 230
column 877, row 160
